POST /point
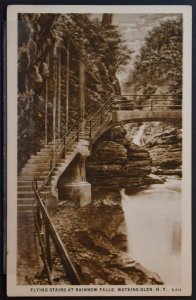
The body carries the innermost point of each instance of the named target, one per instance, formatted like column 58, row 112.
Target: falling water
column 137, row 139
column 153, row 220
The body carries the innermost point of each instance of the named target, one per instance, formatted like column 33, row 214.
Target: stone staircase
column 98, row 128
column 38, row 166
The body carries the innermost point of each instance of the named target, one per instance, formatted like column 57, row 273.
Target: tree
column 159, row 65
column 103, row 51
column 107, row 19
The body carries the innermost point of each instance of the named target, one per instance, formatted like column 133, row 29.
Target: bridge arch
column 123, row 117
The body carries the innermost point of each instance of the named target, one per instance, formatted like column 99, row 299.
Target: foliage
column 159, row 65
column 102, row 50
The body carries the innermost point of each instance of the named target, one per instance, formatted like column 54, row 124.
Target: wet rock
column 109, row 152
column 116, row 163
column 96, row 240
column 154, row 179
column 163, row 141
column 165, row 149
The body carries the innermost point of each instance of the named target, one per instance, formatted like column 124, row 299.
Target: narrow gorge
column 97, row 235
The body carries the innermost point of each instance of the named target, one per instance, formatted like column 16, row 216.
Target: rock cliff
column 95, row 239
column 117, row 163
column 163, row 141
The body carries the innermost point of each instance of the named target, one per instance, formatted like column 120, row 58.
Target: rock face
column 95, row 235
column 166, row 152
column 164, row 143
column 116, row 163
column 95, row 239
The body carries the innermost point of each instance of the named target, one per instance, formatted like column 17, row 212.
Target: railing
column 97, row 121
column 66, row 141
column 133, row 102
column 47, row 234
column 147, row 102
column 98, row 117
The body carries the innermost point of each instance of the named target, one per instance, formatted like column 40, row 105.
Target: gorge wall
column 163, row 141
column 117, row 163
column 95, row 238
column 95, row 235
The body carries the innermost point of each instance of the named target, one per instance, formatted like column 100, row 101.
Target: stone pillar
column 73, row 186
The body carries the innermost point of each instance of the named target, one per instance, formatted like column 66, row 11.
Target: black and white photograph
column 99, row 135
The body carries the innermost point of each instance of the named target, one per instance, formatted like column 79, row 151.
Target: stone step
column 35, row 167
column 26, row 177
column 25, row 194
column 46, row 153
column 26, row 214
column 36, row 158
column 53, row 143
column 49, row 146
column 47, row 150
column 35, row 173
column 37, row 164
column 60, row 164
column 52, row 179
column 25, row 201
column 47, row 188
column 29, row 188
column 56, row 170
column 68, row 157
column 25, row 188
column 68, row 153
column 25, row 207
column 24, row 182
column 62, row 160
column 44, row 193
column 30, row 177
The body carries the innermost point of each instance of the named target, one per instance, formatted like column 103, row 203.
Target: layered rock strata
column 116, row 163
column 166, row 152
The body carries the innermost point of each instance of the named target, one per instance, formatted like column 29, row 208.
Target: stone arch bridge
column 59, row 166
column 67, row 154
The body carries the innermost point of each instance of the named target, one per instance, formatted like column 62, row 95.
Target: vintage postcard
column 99, row 150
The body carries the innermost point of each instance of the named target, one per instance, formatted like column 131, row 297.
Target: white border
column 16, row 290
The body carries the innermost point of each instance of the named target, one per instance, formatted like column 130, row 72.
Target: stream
column 153, row 220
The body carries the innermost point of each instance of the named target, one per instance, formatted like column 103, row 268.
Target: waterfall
column 137, row 139
column 125, row 203
column 153, row 221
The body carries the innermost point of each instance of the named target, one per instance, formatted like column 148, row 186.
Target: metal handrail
column 48, row 163
column 144, row 100
column 152, row 95
column 100, row 113
column 68, row 266
column 68, row 131
column 66, row 262
column 101, row 108
column 93, row 125
column 153, row 102
column 53, row 164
